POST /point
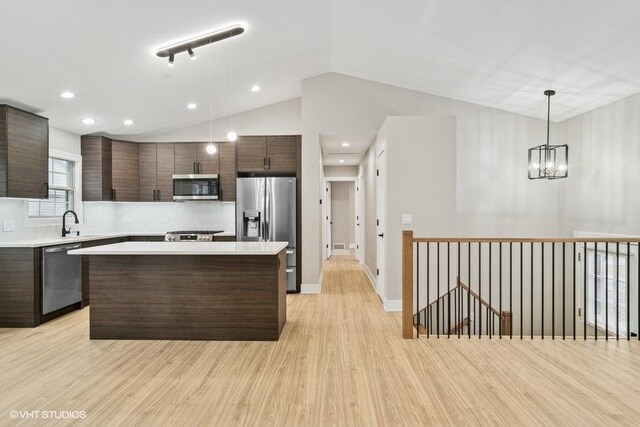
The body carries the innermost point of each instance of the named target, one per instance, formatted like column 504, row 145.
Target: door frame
column 381, row 217
column 326, row 214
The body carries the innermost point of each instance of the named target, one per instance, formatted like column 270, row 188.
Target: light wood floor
column 341, row 361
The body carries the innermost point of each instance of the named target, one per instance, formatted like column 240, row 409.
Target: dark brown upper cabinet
column 271, row 153
column 24, row 154
column 156, row 172
column 208, row 163
column 185, row 158
column 193, row 158
column 110, row 170
column 96, row 168
column 164, row 172
column 227, row 152
column 252, row 153
column 282, row 153
column 125, row 171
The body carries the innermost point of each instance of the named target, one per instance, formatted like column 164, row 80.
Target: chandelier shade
column 548, row 161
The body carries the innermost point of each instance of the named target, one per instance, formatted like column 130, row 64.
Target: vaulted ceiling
column 497, row 53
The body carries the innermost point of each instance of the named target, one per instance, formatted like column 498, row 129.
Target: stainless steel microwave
column 195, row 187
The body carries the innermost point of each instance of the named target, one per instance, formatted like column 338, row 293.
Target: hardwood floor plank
column 341, row 360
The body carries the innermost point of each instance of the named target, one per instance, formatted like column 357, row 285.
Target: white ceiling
column 333, row 151
column 498, row 53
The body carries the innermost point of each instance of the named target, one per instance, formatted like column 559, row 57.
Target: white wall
column 601, row 193
column 343, row 212
column 16, row 209
column 282, row 118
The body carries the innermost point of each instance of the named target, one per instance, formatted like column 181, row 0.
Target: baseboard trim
column 370, row 276
column 310, row 288
column 392, row 304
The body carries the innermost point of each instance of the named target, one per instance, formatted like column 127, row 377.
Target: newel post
column 407, row 284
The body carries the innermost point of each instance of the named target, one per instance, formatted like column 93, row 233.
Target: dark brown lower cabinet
column 19, row 287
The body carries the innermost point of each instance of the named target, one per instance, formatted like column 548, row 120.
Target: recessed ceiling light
column 192, row 106
column 345, row 144
column 88, row 121
column 67, row 95
column 341, row 161
column 255, row 88
column 128, row 122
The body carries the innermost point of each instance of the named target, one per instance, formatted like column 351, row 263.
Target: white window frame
column 77, row 193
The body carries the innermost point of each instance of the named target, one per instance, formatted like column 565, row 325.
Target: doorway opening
column 341, row 217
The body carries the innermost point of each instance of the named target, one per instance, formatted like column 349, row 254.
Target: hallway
column 341, row 361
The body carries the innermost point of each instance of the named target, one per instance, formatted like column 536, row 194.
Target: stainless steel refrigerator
column 266, row 212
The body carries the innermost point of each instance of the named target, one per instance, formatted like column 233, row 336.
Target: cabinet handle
column 46, row 190
column 154, row 195
column 158, row 195
column 194, row 167
column 264, row 162
column 199, row 168
column 114, row 194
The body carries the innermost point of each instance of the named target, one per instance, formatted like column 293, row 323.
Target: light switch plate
column 164, row 220
column 8, row 225
column 407, row 219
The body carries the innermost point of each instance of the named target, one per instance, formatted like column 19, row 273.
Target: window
column 604, row 292
column 61, row 191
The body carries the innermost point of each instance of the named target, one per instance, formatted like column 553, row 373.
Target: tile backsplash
column 161, row 217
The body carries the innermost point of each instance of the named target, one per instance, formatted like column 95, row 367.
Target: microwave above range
column 196, row 187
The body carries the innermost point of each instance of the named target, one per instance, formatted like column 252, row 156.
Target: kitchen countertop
column 185, row 248
column 53, row 241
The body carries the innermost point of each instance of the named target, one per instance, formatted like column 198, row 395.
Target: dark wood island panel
column 177, row 297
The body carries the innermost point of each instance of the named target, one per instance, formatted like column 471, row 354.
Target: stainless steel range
column 191, row 235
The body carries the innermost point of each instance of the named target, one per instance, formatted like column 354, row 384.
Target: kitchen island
column 187, row 290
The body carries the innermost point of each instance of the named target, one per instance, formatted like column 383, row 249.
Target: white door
column 381, row 201
column 327, row 220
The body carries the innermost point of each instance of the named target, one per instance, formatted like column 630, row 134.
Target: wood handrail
column 482, row 301
column 526, row 239
column 437, row 299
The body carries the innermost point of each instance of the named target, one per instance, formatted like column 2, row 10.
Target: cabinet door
column 227, row 171
column 208, row 163
column 282, row 153
column 27, row 155
column 148, row 165
column 165, row 162
column 252, row 153
column 125, row 171
column 185, row 158
column 96, row 168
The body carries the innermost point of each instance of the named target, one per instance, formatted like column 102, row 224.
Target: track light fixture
column 192, row 43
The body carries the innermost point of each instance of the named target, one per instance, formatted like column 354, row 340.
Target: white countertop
column 185, row 248
column 52, row 241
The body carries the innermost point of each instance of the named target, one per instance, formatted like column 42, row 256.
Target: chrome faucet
column 64, row 223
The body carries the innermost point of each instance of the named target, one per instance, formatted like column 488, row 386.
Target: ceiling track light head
column 171, row 60
column 192, row 55
column 198, row 41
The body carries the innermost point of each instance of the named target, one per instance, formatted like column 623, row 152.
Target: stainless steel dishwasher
column 61, row 278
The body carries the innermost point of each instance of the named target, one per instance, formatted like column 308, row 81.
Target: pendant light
column 549, row 161
column 232, row 135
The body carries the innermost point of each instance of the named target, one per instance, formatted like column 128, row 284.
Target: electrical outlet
column 407, row 219
column 89, row 221
column 164, row 220
column 8, row 225
column 126, row 219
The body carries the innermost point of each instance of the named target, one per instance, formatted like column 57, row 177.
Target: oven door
column 195, row 187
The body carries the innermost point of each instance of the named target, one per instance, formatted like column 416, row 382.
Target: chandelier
column 549, row 161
